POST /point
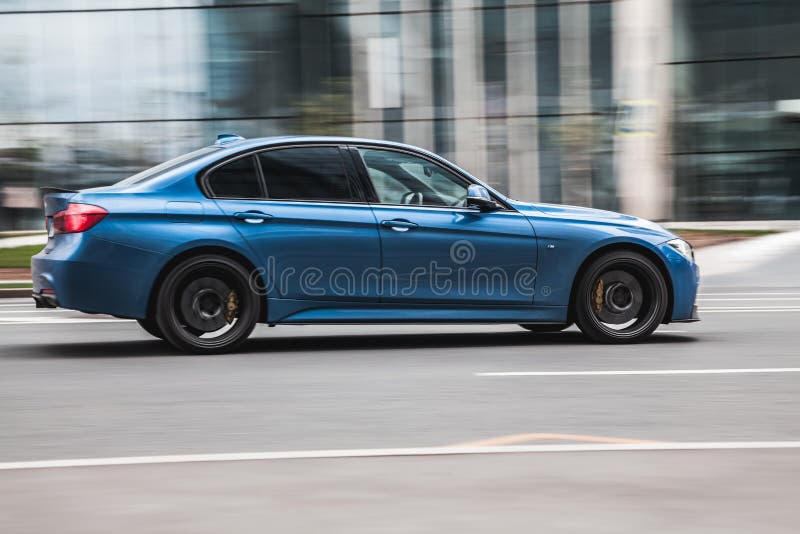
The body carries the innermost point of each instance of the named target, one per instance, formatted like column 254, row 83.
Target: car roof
column 257, row 142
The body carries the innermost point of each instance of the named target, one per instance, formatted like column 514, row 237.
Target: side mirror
column 478, row 197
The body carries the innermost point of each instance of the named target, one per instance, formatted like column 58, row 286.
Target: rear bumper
column 94, row 275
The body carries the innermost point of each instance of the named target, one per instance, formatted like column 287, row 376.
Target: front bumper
column 685, row 277
column 693, row 319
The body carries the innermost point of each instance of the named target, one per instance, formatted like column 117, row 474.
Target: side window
column 401, row 178
column 306, row 173
column 237, row 179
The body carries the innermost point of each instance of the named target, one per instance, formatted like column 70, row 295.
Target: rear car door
column 303, row 213
column 434, row 248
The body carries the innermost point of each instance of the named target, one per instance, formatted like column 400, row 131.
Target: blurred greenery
column 18, row 257
column 15, row 285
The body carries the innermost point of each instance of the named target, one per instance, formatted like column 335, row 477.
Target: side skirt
column 334, row 312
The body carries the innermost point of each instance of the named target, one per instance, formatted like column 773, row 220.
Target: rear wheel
column 544, row 328
column 206, row 305
column 621, row 298
column 149, row 325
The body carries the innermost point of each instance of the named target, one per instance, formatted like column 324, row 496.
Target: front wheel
column 621, row 298
column 206, row 305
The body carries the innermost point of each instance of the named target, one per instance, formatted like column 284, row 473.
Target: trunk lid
column 56, row 199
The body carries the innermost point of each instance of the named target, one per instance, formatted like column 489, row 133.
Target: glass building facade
column 665, row 108
column 736, row 149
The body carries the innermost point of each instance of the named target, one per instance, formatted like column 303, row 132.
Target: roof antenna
column 224, row 139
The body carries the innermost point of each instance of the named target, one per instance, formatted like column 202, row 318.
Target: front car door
column 306, row 219
column 435, row 249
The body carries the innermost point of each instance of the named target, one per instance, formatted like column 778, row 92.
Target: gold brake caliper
column 598, row 295
column 231, row 307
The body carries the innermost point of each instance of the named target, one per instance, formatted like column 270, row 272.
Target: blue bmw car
column 320, row 230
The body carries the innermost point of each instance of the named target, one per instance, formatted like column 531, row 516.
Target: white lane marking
column 727, row 299
column 39, row 310
column 645, row 372
column 408, row 451
column 736, row 310
column 740, row 294
column 17, row 302
column 707, row 309
column 749, row 311
column 58, row 320
column 750, row 308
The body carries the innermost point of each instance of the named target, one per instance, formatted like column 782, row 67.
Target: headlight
column 683, row 247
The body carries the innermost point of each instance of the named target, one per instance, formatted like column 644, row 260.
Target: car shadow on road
column 339, row 342
column 388, row 342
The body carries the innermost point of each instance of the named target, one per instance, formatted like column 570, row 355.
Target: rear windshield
column 158, row 170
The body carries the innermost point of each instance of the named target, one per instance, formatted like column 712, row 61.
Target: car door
column 433, row 248
column 305, row 216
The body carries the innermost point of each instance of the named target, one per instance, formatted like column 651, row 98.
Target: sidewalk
column 776, row 226
column 25, row 240
column 768, row 261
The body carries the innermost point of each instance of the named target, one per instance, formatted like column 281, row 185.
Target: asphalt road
column 78, row 387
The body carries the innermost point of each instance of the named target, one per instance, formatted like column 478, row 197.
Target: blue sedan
column 320, row 230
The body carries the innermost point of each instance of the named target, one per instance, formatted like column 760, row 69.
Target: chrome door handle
column 252, row 217
column 399, row 225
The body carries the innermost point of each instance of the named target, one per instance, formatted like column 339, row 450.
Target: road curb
column 15, row 293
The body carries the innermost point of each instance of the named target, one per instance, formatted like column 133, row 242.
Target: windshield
column 158, row 170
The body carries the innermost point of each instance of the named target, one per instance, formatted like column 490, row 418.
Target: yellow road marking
column 523, row 438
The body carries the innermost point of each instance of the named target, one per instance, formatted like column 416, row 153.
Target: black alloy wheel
column 149, row 325
column 206, row 305
column 621, row 298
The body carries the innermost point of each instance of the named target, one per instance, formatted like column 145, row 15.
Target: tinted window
column 401, row 178
column 306, row 173
column 237, row 179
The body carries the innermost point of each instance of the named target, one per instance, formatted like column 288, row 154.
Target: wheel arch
column 198, row 251
column 631, row 247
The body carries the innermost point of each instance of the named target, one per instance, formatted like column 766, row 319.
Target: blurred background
column 669, row 109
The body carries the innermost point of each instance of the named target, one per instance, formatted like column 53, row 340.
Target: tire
column 545, row 328
column 149, row 325
column 620, row 298
column 205, row 305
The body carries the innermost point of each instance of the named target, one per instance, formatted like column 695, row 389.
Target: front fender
column 565, row 245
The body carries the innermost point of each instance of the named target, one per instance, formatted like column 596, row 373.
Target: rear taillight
column 77, row 218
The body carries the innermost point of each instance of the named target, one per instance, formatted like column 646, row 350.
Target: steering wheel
column 412, row 197
column 461, row 202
